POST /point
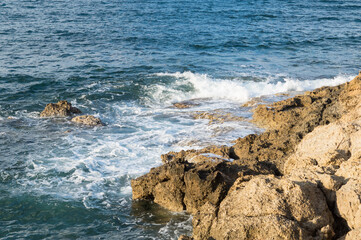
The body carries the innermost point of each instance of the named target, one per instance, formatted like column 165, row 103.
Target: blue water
column 127, row 62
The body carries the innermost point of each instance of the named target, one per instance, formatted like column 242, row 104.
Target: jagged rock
column 321, row 174
column 349, row 203
column 59, row 109
column 87, row 120
column 267, row 207
column 180, row 185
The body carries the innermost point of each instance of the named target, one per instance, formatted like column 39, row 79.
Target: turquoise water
column 127, row 62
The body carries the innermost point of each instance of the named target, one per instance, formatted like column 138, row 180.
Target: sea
column 127, row 62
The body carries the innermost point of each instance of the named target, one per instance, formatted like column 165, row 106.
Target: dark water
column 126, row 62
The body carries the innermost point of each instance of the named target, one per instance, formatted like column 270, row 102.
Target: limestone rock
column 267, row 207
column 326, row 181
column 87, row 120
column 351, row 169
column 349, row 203
column 326, row 145
column 179, row 185
column 59, row 109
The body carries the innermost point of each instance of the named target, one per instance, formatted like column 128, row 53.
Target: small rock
column 59, row 109
column 87, row 120
column 185, row 104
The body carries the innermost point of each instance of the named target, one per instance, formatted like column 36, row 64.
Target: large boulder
column 59, row 109
column 268, row 207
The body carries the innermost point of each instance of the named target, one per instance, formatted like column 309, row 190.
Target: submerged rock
column 59, row 109
column 87, row 120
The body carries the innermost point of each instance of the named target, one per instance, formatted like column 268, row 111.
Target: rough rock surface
column 267, row 207
column 349, row 203
column 59, row 109
column 87, row 120
column 311, row 148
column 180, row 185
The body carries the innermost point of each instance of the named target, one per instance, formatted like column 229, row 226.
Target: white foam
column 235, row 90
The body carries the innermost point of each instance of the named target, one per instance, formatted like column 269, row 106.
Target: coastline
column 296, row 180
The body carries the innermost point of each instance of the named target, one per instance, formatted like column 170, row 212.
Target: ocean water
column 127, row 62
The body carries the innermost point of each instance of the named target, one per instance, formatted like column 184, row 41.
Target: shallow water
column 127, row 62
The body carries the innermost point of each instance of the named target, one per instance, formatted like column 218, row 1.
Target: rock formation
column 87, row 120
column 65, row 109
column 59, row 109
column 300, row 179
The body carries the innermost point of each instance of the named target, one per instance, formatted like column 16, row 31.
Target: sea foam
column 237, row 90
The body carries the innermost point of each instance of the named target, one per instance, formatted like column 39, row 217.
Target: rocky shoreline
column 300, row 179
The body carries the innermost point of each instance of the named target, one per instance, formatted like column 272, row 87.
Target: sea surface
column 127, row 62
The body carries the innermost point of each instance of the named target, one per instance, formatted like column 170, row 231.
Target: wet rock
column 185, row 104
column 59, row 109
column 267, row 207
column 87, row 120
column 217, row 117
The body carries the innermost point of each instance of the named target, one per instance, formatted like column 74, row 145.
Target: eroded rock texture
column 59, row 109
column 300, row 179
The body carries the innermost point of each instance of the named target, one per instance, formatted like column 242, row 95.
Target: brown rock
column 267, row 207
column 349, row 203
column 180, row 185
column 59, row 109
column 87, row 120
column 312, row 140
column 185, row 104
